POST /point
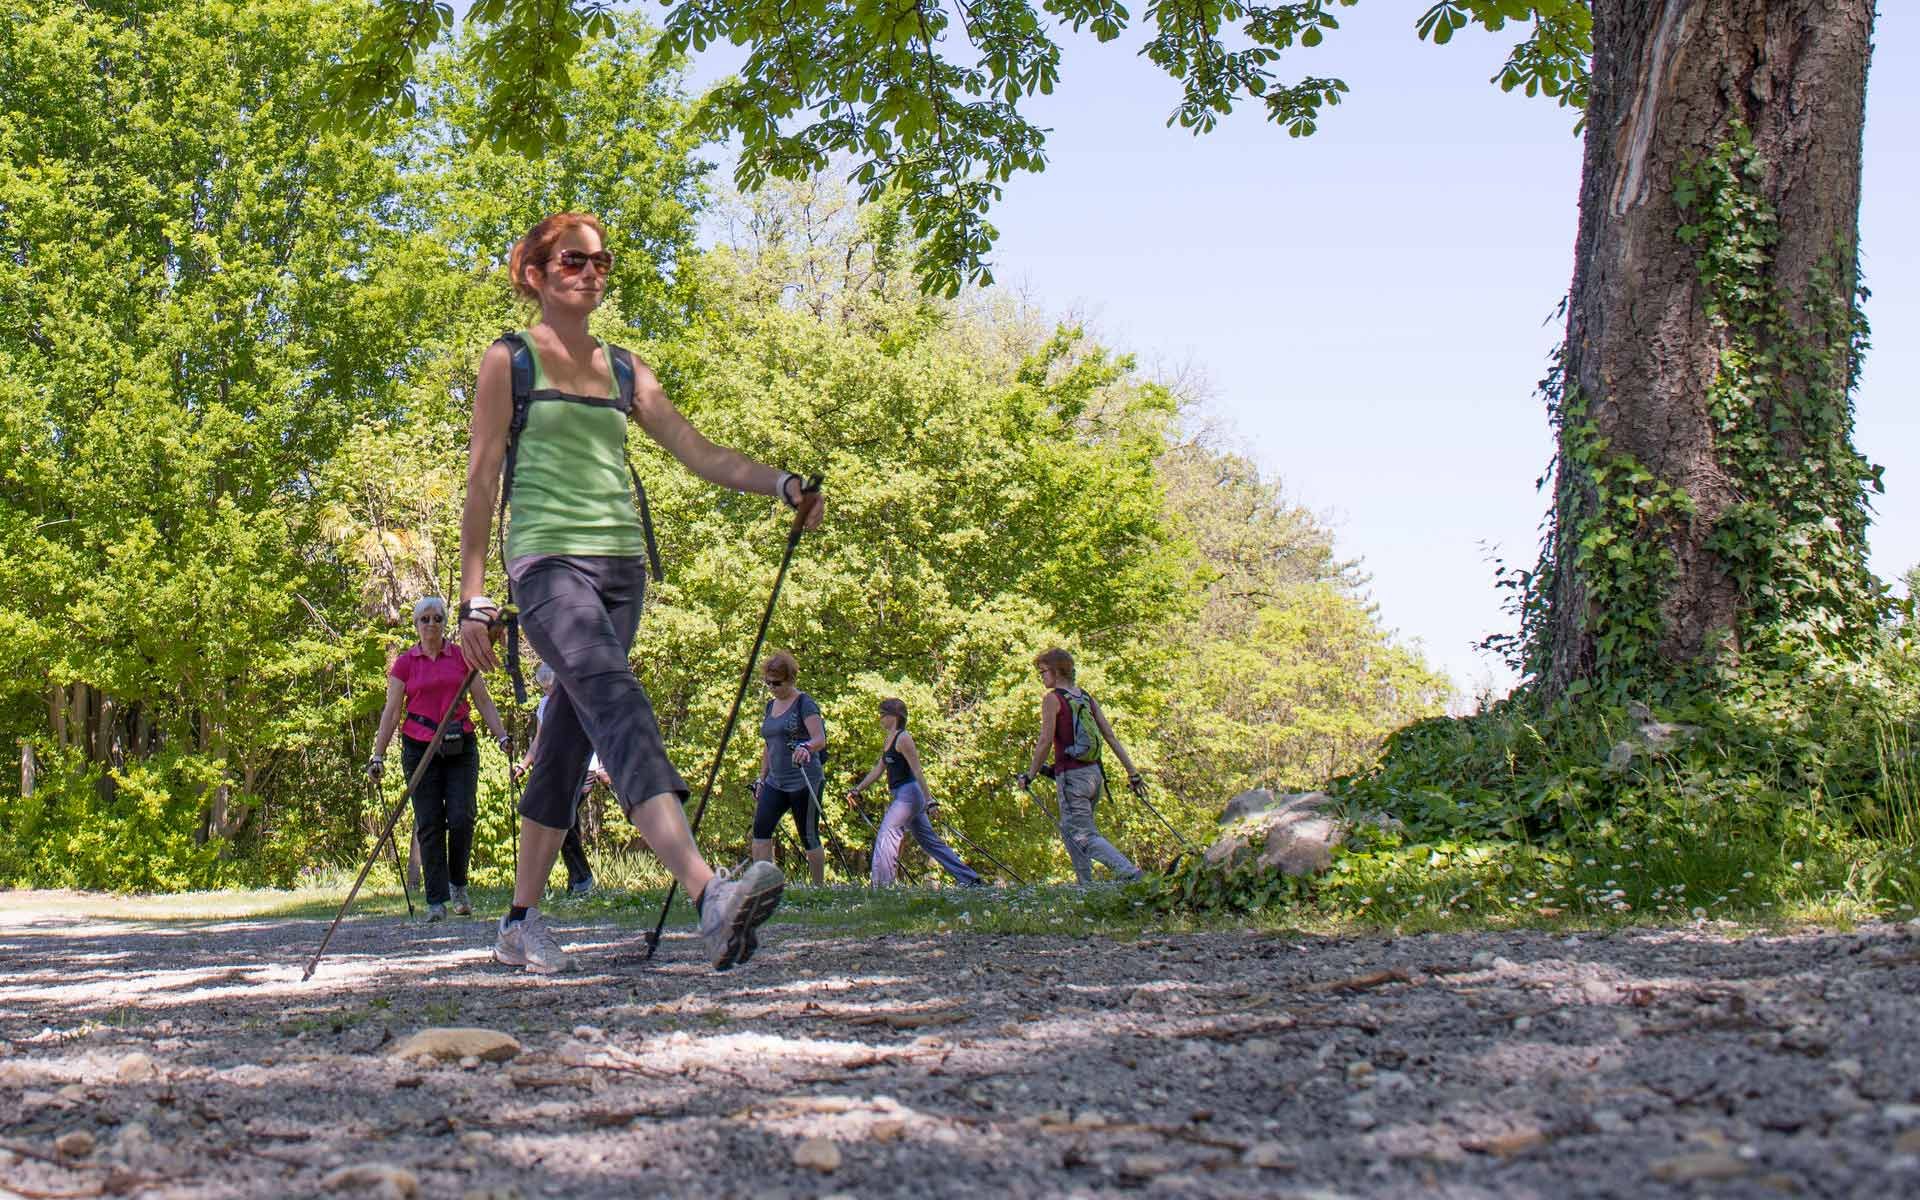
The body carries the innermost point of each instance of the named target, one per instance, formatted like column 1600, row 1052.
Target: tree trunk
column 1666, row 460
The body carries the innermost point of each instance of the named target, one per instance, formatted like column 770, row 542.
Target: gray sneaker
column 461, row 905
column 529, row 943
column 581, row 888
column 736, row 902
column 436, row 912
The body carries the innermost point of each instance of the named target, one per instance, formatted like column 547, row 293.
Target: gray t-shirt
column 782, row 733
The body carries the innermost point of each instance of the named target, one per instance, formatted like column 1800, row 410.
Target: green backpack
column 1086, row 731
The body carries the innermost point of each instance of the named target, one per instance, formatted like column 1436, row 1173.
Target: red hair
column 536, row 248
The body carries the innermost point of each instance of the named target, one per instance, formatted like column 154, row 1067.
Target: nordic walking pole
column 810, row 488
column 393, row 818
column 1141, row 794
column 400, row 869
column 954, row 830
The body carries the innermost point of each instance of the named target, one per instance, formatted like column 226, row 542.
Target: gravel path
column 188, row 1059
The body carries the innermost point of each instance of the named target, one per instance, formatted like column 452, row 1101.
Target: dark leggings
column 573, row 852
column 778, row 802
column 581, row 613
column 443, row 814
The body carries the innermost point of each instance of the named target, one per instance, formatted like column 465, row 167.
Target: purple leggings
column 908, row 810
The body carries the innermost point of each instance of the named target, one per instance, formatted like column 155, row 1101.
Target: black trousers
column 444, row 808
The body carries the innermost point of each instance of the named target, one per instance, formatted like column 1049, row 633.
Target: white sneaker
column 529, row 943
column 461, row 905
column 734, row 905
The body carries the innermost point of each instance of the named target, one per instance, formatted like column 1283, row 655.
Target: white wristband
column 780, row 489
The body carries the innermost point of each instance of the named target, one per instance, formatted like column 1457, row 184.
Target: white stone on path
column 135, row 1068
column 384, row 1180
column 817, row 1154
column 453, row 1044
column 76, row 1143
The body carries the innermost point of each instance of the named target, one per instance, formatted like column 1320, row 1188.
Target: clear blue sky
column 1368, row 304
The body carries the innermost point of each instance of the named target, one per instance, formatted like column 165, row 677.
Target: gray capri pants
column 580, row 613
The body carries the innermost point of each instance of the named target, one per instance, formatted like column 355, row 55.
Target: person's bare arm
column 866, row 781
column 486, row 449
column 483, row 700
column 389, row 721
column 716, row 464
column 1106, row 731
column 815, row 743
column 1049, row 708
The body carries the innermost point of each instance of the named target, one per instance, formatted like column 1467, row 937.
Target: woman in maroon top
column 422, row 682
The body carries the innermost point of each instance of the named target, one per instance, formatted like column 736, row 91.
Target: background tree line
column 236, row 350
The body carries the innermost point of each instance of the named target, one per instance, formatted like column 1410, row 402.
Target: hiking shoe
column 529, row 943
column 436, row 912
column 736, row 902
column 748, row 946
column 461, row 905
column 580, row 889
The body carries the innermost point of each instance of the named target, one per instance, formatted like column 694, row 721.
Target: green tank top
column 570, row 490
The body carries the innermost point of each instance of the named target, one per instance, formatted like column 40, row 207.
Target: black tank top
column 898, row 772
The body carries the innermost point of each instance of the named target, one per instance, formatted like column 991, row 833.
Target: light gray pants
column 1079, row 790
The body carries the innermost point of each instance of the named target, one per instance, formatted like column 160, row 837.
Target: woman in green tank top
column 576, row 557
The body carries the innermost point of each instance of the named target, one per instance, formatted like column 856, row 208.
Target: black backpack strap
column 623, row 378
column 521, row 359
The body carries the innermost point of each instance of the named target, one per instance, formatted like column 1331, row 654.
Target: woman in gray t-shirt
column 790, row 772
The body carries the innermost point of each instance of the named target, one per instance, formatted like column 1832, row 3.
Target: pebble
column 73, row 1093
column 134, row 1143
column 75, row 1143
column 455, row 1044
column 589, row 1033
column 469, row 1062
column 1270, row 1156
column 1147, row 1166
column 384, row 1180
column 1362, row 1118
column 1360, row 1072
column 135, row 1068
column 1522, row 1024
column 1706, row 1165
column 891, row 1129
column 1483, row 959
column 1848, row 1068
column 1608, row 1121
column 1901, row 1114
column 817, row 1154
column 1907, row 1143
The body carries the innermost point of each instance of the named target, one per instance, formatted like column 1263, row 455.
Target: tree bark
column 1672, row 81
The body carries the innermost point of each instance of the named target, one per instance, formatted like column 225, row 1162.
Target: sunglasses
column 432, row 619
column 575, row 261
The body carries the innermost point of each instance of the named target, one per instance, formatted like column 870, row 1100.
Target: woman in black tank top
column 910, row 804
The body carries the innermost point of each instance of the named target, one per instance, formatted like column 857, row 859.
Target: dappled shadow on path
column 1219, row 1064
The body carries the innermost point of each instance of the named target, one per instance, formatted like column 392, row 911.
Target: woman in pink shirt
column 423, row 681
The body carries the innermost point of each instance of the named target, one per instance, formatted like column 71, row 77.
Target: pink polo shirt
column 430, row 684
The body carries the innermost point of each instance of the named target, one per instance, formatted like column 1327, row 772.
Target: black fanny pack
column 452, row 744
